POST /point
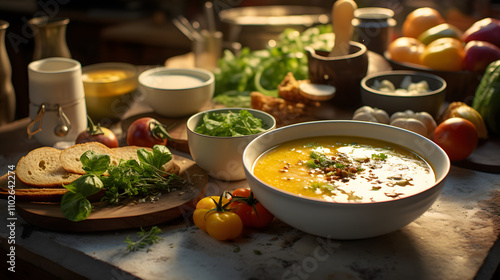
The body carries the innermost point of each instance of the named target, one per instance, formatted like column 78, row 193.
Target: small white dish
column 177, row 92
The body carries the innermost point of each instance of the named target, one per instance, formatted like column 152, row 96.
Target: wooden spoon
column 342, row 15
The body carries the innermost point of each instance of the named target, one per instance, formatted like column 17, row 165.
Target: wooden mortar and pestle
column 347, row 63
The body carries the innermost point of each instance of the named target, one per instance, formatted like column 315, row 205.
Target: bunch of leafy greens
column 263, row 70
column 145, row 238
column 129, row 178
column 229, row 124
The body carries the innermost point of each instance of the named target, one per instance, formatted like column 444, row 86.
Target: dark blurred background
column 140, row 31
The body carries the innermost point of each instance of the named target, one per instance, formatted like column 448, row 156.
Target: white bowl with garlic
column 397, row 91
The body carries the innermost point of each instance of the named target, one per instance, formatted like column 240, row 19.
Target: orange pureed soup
column 344, row 169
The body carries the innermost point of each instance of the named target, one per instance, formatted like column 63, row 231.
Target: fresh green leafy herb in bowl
column 217, row 138
column 229, row 124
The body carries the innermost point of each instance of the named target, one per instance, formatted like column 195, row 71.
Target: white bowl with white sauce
column 177, row 92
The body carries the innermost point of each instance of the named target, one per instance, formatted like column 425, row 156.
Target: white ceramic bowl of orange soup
column 345, row 179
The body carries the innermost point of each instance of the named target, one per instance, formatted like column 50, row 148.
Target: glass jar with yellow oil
column 110, row 90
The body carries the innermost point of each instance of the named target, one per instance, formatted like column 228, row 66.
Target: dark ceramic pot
column 342, row 72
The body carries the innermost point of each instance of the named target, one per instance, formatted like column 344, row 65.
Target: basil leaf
column 75, row 206
column 157, row 158
column 145, row 156
column 85, row 185
column 161, row 155
column 94, row 163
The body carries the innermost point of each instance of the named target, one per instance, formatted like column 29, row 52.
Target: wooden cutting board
column 131, row 215
column 485, row 158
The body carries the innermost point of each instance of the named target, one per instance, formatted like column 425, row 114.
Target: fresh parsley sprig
column 145, row 238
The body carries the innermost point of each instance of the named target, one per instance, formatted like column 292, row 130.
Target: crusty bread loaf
column 70, row 157
column 42, row 168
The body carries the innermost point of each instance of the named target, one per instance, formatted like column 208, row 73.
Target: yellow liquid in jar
column 108, row 82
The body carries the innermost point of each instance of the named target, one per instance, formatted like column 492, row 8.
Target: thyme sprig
column 144, row 238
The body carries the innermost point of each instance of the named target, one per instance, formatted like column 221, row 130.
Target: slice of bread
column 130, row 152
column 42, row 168
column 29, row 193
column 25, row 192
column 127, row 153
column 70, row 157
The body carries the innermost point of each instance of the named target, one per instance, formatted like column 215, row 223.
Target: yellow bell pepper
column 444, row 54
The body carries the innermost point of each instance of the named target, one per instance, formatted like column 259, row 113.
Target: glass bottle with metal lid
column 373, row 27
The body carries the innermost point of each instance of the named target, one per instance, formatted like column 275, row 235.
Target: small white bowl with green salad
column 218, row 137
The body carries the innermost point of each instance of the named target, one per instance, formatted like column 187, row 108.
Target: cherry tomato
column 445, row 54
column 457, row 137
column 212, row 216
column 96, row 133
column 223, row 225
column 406, row 49
column 202, row 207
column 251, row 211
column 420, row 20
column 147, row 132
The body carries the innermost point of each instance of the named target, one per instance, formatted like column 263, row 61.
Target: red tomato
column 147, row 132
column 250, row 210
column 457, row 137
column 96, row 133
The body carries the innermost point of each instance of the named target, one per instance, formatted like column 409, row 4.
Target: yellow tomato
column 204, row 208
column 420, row 20
column 224, row 225
column 406, row 49
column 445, row 54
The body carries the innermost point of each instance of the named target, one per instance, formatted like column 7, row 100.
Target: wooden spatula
column 342, row 15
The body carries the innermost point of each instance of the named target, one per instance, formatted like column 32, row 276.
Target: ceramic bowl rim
column 208, row 78
column 312, row 200
column 191, row 130
column 381, row 75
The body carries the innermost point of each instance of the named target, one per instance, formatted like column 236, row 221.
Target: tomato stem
column 92, row 128
column 158, row 131
column 250, row 200
column 219, row 206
